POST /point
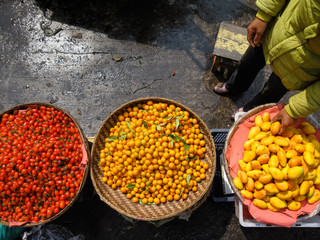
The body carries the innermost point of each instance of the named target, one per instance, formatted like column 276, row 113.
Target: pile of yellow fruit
column 279, row 171
column 153, row 154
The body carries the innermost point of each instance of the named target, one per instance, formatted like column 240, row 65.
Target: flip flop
column 221, row 89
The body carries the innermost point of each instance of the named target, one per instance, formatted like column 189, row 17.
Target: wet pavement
column 90, row 57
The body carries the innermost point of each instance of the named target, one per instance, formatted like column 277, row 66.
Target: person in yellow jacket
column 286, row 35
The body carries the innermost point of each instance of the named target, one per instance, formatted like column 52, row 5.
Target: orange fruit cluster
column 153, row 154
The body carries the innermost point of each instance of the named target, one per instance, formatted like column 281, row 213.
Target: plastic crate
column 221, row 189
column 309, row 222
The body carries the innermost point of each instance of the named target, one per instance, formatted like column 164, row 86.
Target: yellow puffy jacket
column 291, row 45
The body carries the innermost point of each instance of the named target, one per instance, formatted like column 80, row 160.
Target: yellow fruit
column 296, row 139
column 255, row 174
column 295, row 191
column 288, row 133
column 315, row 197
column 265, row 178
column 310, row 147
column 243, row 176
column 258, row 120
column 271, row 188
column 242, row 165
column 291, row 153
column 275, row 128
column 255, row 165
column 292, row 183
column 300, row 148
column 295, row 172
column 253, row 132
column 282, row 185
column 312, row 174
column 248, row 167
column 309, row 158
column 276, row 173
column 285, row 172
column 247, row 194
column 281, row 141
column 250, row 184
column 263, row 159
column 260, row 135
column 262, row 149
column 267, row 140
column 311, row 191
column 248, row 156
column 300, row 198
column 282, row 157
column 265, row 168
column 274, row 148
column 272, row 208
column 285, row 195
column 304, row 188
column 308, row 129
column 294, row 205
column 237, row 183
column 273, row 162
column 317, row 179
column 295, row 161
column 254, row 145
column 260, row 194
column 265, row 126
column 247, row 144
column 266, row 117
column 278, row 203
column 260, row 203
column 258, row 185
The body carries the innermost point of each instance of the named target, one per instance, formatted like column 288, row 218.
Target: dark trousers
column 241, row 79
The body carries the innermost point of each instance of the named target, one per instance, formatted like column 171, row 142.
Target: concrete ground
column 90, row 57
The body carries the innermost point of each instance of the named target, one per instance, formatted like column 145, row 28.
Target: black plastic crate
column 219, row 138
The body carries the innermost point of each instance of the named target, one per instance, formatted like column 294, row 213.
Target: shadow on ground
column 142, row 19
column 94, row 219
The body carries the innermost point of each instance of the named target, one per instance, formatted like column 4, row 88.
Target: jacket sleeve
column 269, row 8
column 305, row 102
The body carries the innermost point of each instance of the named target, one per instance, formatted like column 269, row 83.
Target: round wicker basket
column 232, row 131
column 118, row 200
column 87, row 167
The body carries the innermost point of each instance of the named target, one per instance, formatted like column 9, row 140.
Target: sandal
column 221, row 89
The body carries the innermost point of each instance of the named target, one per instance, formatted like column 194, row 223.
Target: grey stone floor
column 90, row 57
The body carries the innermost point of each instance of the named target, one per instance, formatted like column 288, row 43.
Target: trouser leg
column 249, row 66
column 272, row 92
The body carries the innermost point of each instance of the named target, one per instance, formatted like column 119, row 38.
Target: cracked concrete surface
column 90, row 57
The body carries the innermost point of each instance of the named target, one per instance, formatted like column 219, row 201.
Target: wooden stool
column 230, row 45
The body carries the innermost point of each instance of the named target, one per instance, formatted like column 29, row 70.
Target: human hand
column 285, row 119
column 255, row 31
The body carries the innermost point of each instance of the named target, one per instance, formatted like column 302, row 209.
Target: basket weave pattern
column 118, row 200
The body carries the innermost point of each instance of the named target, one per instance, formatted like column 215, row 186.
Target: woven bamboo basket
column 87, row 167
column 232, row 131
column 118, row 201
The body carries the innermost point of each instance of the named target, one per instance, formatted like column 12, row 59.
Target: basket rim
column 94, row 148
column 233, row 128
column 87, row 167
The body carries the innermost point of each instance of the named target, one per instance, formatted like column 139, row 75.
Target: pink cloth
column 284, row 217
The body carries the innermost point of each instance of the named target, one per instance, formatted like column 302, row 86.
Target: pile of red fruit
column 40, row 163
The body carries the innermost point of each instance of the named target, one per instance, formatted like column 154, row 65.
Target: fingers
column 250, row 37
column 257, row 39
